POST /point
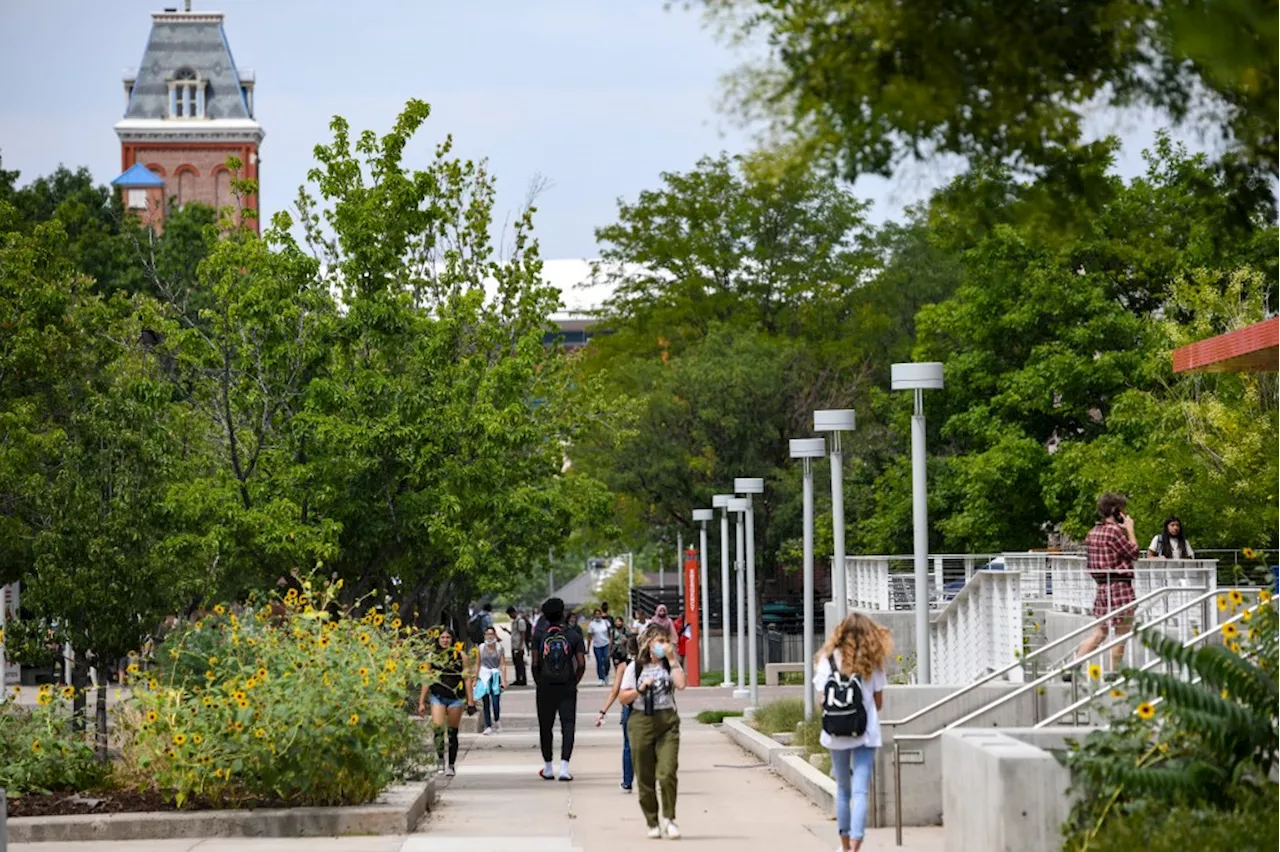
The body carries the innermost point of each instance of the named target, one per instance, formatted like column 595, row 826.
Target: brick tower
column 187, row 109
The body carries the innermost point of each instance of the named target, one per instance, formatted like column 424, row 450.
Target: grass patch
column 779, row 716
column 715, row 717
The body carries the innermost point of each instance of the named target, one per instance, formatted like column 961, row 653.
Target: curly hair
column 864, row 645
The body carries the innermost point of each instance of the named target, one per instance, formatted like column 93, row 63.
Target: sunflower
column 363, row 671
column 1264, row 596
column 243, row 705
column 207, row 701
column 68, row 693
column 152, row 717
column 1224, row 695
column 238, row 727
column 35, row 746
column 1229, row 630
column 1234, row 647
column 396, row 624
column 213, row 661
column 391, row 666
column 378, row 618
column 260, row 733
column 220, row 609
column 153, row 684
column 133, row 655
column 364, row 638
column 132, row 668
column 1222, row 603
column 1145, row 710
column 219, row 773
column 423, row 668
column 1246, row 615
column 291, row 595
column 1117, row 693
column 1095, row 671
column 354, row 720
column 45, row 699
column 209, row 676
column 199, row 625
column 457, row 647
column 323, row 641
column 1235, row 597
column 179, row 739
column 251, row 683
column 1249, row 553
column 196, row 739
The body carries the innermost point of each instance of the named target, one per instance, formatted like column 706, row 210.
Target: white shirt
column 876, row 683
column 660, row 684
column 599, row 630
column 1174, row 547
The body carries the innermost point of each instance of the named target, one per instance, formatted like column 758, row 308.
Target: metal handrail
column 1097, row 622
column 1088, row 699
column 1035, row 684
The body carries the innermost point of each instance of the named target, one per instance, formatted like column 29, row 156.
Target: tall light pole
column 836, row 421
column 740, row 506
column 919, row 378
column 702, row 516
column 808, row 449
column 721, row 501
column 750, row 486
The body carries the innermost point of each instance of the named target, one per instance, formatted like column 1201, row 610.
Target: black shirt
column 448, row 667
column 578, row 648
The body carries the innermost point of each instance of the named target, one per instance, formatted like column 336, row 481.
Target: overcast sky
column 597, row 96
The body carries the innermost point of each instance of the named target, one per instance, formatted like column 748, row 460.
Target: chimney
column 187, row 6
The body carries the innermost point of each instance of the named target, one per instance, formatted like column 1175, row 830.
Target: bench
column 772, row 670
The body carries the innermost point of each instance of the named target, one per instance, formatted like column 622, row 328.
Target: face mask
column 659, row 650
column 491, row 642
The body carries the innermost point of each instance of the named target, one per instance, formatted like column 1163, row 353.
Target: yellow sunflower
column 196, row 739
column 1229, row 630
column 1234, row 647
column 132, row 668
column 260, row 733
column 364, row 638
column 1249, row 553
column 1235, row 597
column 396, row 624
column 260, row 674
column 152, row 717
column 179, row 739
column 45, row 699
column 35, row 746
column 1264, row 596
column 220, row 609
column 1117, row 693
column 1095, row 671
column 1222, row 603
column 1145, row 710
column 354, row 720
column 68, row 692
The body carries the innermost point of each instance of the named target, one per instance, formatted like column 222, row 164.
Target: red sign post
column 692, row 604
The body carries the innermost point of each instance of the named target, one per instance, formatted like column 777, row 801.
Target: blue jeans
column 851, row 768
column 602, row 662
column 493, row 698
column 628, row 773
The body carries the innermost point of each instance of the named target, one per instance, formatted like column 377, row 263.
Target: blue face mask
column 659, row 650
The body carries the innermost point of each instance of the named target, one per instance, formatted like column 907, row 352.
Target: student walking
column 519, row 640
column 1112, row 551
column 623, row 655
column 600, row 630
column 559, row 661
column 492, row 680
column 448, row 694
column 654, row 730
column 850, row 679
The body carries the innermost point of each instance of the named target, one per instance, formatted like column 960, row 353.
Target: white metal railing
column 882, row 582
column 1071, row 588
column 867, row 580
column 980, row 630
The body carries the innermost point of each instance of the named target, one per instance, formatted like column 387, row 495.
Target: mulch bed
column 119, row 801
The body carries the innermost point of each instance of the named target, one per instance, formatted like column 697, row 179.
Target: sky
column 598, row 97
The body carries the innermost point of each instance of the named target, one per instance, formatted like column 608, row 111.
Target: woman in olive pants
column 649, row 685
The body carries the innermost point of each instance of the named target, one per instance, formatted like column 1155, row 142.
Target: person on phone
column 1112, row 548
column 1171, row 543
column 654, row 730
column 451, row 690
column 622, row 657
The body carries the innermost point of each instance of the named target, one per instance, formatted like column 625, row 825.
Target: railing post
column 897, row 794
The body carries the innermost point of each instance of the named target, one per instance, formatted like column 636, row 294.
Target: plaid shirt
column 1110, row 551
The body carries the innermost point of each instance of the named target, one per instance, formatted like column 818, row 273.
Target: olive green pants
column 655, row 751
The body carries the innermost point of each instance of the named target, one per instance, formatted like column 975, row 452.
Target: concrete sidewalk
column 728, row 801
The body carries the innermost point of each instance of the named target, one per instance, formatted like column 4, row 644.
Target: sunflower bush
column 292, row 700
column 40, row 752
column 1195, row 737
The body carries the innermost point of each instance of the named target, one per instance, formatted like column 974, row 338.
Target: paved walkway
column 728, row 800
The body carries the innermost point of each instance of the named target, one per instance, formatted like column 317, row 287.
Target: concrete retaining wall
column 396, row 811
column 1002, row 791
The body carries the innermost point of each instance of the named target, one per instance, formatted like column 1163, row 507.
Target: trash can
column 773, row 645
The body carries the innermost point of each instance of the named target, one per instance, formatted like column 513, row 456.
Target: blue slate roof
column 187, row 40
column 138, row 175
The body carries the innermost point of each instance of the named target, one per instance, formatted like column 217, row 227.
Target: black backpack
column 475, row 628
column 557, row 657
column 843, row 712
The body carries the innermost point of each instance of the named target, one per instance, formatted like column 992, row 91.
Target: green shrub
column 715, row 717
column 1250, row 828
column 809, row 736
column 278, row 702
column 39, row 750
column 779, row 716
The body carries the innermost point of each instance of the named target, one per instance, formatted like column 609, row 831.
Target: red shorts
column 1111, row 596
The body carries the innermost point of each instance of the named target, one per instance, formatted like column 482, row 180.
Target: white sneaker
column 655, row 833
column 488, row 731
column 439, row 768
column 497, row 727
column 673, row 830
column 450, row 772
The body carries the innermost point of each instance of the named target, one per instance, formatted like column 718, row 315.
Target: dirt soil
column 117, row 801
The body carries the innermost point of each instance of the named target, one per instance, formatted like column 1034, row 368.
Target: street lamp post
column 740, row 506
column 808, row 449
column 919, row 378
column 721, row 501
column 702, row 516
column 836, row 421
column 750, row 486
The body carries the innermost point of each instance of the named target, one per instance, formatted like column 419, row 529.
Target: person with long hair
column 1171, row 543
column 623, row 654
column 491, row 681
column 858, row 648
column 448, row 694
column 654, row 730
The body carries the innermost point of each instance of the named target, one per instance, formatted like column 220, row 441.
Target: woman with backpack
column 654, row 726
column 849, row 676
column 450, row 691
column 622, row 657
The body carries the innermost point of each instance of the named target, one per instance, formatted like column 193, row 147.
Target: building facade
column 188, row 108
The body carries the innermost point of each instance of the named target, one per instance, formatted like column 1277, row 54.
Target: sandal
column 542, row 773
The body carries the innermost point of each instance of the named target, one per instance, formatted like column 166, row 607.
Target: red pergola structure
column 1254, row 348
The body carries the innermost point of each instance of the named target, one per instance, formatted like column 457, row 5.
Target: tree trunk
column 101, row 717
column 80, row 680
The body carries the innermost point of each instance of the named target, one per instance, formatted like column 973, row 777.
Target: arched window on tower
column 186, row 186
column 222, row 189
column 186, row 94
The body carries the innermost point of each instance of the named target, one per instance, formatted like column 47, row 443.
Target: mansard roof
column 188, row 41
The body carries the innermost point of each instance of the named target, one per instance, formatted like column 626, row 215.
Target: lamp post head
column 703, row 514
column 808, row 448
column 748, row 485
column 833, row 420
column 721, row 501
column 742, row 505
column 917, row 376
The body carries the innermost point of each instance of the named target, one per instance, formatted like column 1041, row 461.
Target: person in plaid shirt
column 1112, row 548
